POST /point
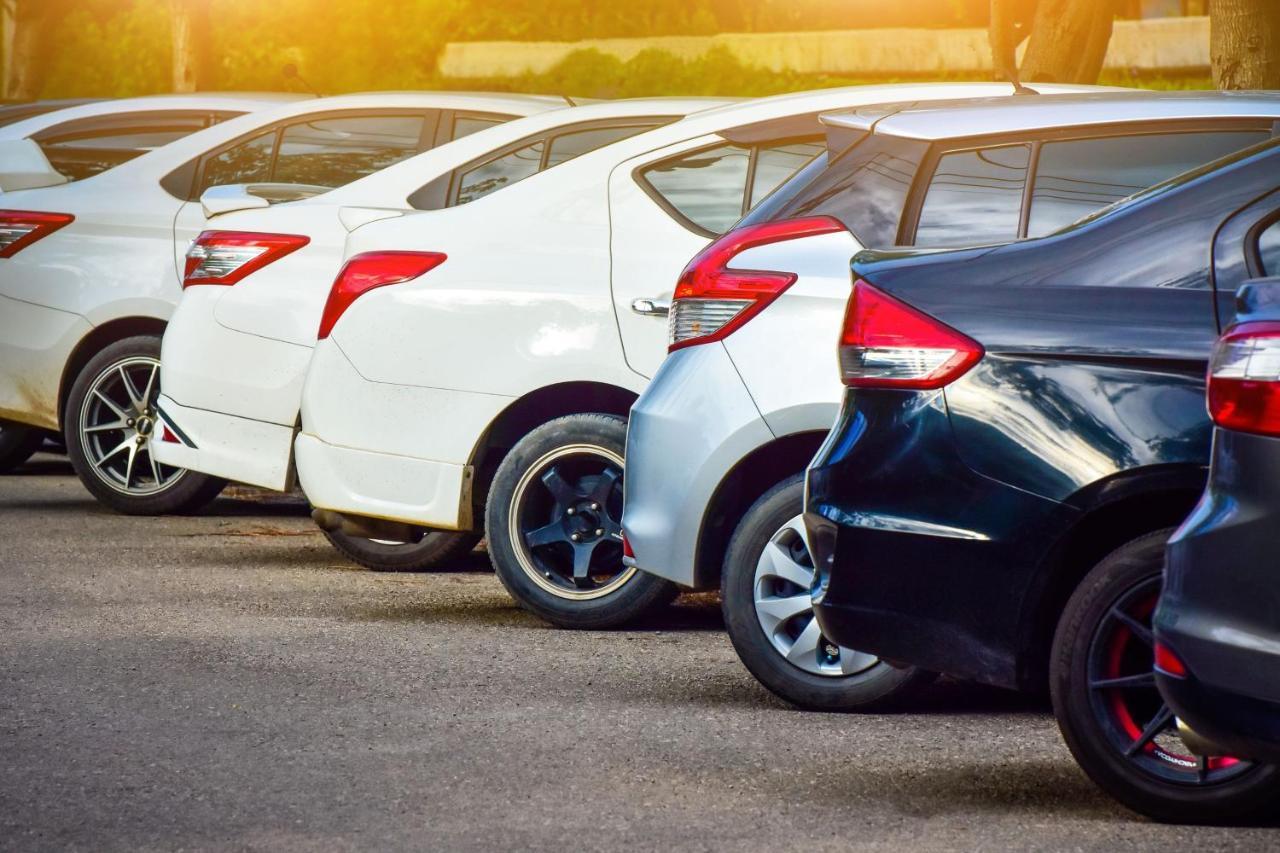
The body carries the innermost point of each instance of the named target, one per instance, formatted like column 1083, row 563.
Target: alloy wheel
column 117, row 424
column 566, row 522
column 784, row 575
column 1122, row 693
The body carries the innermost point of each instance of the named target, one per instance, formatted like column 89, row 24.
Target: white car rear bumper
column 239, row 449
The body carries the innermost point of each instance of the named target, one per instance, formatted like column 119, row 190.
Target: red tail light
column 1244, row 379
column 1168, row 662
column 368, row 271
column 21, row 228
column 888, row 344
column 225, row 257
column 712, row 300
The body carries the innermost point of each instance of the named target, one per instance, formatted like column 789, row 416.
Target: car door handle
column 652, row 307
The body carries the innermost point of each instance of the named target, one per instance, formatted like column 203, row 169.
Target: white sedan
column 235, row 357
column 476, row 365
column 90, row 270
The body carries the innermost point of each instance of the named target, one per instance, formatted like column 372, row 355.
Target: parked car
column 90, row 270
column 234, row 358
column 76, row 140
column 1024, row 426
column 1217, row 652
column 493, row 380
column 718, row 442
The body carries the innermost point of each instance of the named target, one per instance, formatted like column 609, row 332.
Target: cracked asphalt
column 228, row 682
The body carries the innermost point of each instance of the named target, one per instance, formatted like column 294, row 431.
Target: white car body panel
column 121, row 256
column 243, row 102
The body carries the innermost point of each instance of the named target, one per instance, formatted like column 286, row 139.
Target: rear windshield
column 865, row 188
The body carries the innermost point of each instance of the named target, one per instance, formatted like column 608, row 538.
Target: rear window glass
column 336, row 151
column 975, row 197
column 90, row 147
column 1269, row 249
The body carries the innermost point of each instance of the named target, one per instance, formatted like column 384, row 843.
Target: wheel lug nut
column 576, row 537
column 595, row 507
column 599, row 531
column 129, row 422
column 571, row 511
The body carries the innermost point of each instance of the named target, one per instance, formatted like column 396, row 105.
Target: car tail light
column 888, row 344
column 21, row 228
column 1168, row 662
column 225, row 257
column 370, row 270
column 712, row 300
column 1244, row 379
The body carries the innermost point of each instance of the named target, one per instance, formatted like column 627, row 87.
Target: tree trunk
column 1244, row 43
column 1068, row 39
column 29, row 45
column 193, row 66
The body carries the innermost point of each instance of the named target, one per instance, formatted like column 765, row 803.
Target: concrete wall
column 1149, row 45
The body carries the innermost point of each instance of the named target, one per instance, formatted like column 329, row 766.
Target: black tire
column 437, row 548
column 539, row 576
column 1102, row 723
column 875, row 685
column 176, row 491
column 17, row 445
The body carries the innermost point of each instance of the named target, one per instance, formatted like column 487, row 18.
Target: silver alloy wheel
column 117, row 424
column 544, row 476
column 784, row 575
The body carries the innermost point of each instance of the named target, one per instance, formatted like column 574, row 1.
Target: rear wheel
column 553, row 523
column 1117, row 726
column 17, row 445
column 765, row 584
column 110, row 422
column 435, row 549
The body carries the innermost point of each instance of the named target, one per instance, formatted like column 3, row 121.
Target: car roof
column 239, row 102
column 986, row 116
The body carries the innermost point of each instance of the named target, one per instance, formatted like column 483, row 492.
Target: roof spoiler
column 23, row 166
column 229, row 198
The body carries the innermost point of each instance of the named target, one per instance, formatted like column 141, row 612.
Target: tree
column 1066, row 39
column 27, row 47
column 193, row 66
column 1244, row 43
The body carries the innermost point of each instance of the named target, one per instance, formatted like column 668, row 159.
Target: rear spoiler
column 23, row 166
column 232, row 197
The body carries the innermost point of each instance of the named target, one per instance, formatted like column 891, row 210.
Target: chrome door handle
column 651, row 307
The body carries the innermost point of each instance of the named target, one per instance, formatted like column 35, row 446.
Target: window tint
column 1076, row 177
column 1269, row 248
column 336, row 151
column 94, row 146
column 244, row 163
column 974, row 197
column 706, row 187
column 774, row 165
column 467, row 125
column 570, row 145
column 500, row 172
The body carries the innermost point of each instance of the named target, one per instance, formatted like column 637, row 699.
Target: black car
column 1217, row 627
column 1024, row 427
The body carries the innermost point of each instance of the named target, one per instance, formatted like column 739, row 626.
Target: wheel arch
column 1115, row 511
column 748, row 480
column 93, row 343
column 531, row 411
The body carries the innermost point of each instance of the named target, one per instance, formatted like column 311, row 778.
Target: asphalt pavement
column 229, row 682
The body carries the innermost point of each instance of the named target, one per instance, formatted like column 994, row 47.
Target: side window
column 1077, row 177
column 467, row 125
column 569, row 145
column 336, row 151
column 778, row 163
column 98, row 145
column 1269, row 248
column 707, row 187
column 500, row 172
column 244, row 163
column 974, row 197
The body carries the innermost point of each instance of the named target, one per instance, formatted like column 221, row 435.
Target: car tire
column 564, row 480
column 108, row 426
column 435, row 549
column 17, row 445
column 765, row 596
column 1102, row 638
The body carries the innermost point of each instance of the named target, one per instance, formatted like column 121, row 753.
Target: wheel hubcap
column 784, row 575
column 566, row 522
column 117, row 423
column 1122, row 692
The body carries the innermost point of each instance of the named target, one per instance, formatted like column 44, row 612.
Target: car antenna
column 290, row 72
column 1018, row 88
column 571, row 101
